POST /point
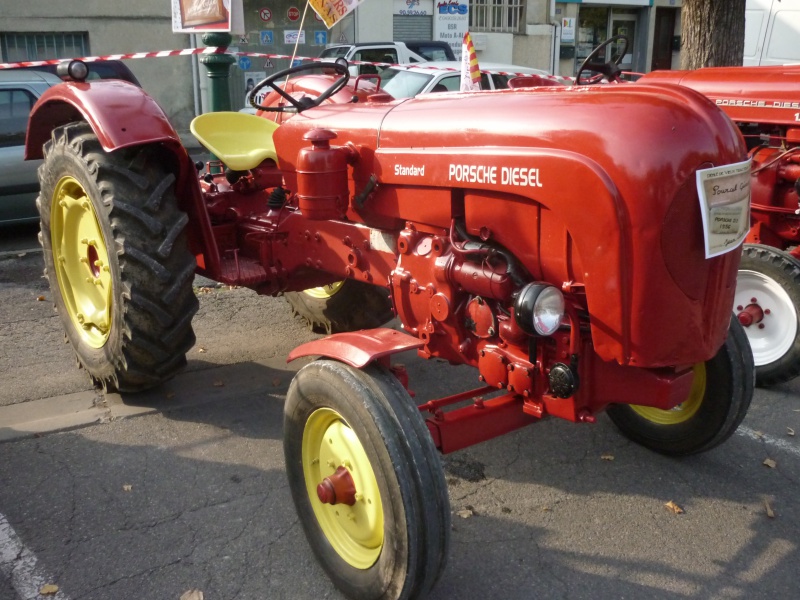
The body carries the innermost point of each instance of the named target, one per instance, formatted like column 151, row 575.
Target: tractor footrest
column 240, row 270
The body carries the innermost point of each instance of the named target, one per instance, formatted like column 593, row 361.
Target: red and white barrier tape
column 224, row 50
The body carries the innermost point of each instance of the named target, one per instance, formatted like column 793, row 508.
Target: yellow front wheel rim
column 80, row 258
column 683, row 411
column 355, row 532
column 324, row 291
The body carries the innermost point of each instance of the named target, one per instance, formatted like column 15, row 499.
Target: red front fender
column 359, row 348
column 120, row 113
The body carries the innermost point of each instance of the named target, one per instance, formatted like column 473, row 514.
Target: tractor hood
column 591, row 185
column 746, row 94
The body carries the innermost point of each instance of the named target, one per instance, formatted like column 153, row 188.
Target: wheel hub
column 768, row 314
column 339, row 488
column 342, row 488
column 81, row 261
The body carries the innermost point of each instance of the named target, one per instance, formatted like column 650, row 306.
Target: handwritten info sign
column 724, row 194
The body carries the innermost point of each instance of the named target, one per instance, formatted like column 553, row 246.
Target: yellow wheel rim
column 355, row 532
column 325, row 291
column 685, row 410
column 81, row 264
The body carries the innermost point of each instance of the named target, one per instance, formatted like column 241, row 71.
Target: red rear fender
column 120, row 113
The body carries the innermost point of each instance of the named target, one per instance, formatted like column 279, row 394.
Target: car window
column 386, row 55
column 335, row 52
column 403, row 84
column 501, row 81
column 15, row 106
column 451, row 83
column 432, row 52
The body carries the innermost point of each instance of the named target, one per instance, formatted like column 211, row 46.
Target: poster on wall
column 201, row 16
column 332, row 11
column 451, row 23
column 568, row 30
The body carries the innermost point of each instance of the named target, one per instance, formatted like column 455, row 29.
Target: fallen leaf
column 674, row 508
column 48, row 589
column 607, row 456
column 201, row 350
column 127, row 487
column 465, row 513
column 41, row 298
column 21, row 254
column 170, row 395
column 276, row 382
column 789, row 431
column 770, row 512
column 546, row 509
column 218, row 383
column 192, row 595
column 759, row 434
column 768, row 462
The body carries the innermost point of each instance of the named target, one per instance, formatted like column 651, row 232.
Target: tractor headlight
column 539, row 308
column 74, row 69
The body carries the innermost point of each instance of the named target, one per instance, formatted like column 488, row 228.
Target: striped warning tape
column 224, row 50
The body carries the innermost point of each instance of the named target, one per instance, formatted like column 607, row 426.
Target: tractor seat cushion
column 239, row 140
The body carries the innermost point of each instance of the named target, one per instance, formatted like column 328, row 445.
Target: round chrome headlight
column 74, row 69
column 539, row 309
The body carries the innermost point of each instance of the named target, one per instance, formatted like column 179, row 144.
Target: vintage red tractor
column 523, row 232
column 765, row 103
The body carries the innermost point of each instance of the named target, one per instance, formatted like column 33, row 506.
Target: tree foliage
column 712, row 33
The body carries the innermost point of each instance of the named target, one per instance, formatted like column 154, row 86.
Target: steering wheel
column 610, row 70
column 306, row 102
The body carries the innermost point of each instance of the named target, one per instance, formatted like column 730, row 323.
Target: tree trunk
column 712, row 33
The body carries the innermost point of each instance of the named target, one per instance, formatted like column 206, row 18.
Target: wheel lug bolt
column 84, row 260
column 62, row 203
column 85, row 241
column 331, row 464
column 80, row 317
column 753, row 300
column 761, row 326
column 740, row 307
column 85, row 205
column 766, row 311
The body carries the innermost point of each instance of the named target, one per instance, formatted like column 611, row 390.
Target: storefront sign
column 293, row 36
column 451, row 23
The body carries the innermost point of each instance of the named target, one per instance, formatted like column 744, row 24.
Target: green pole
column 218, row 66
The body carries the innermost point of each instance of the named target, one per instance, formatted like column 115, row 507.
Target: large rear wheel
column 717, row 403
column 366, row 480
column 116, row 258
column 346, row 305
column 767, row 303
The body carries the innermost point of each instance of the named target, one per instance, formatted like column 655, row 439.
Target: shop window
column 503, row 16
column 16, row 47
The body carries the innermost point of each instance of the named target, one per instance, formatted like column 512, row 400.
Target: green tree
column 712, row 33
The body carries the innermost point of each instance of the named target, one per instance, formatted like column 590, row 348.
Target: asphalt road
column 183, row 488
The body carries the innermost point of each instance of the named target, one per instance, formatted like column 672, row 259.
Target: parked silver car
column 445, row 76
column 19, row 90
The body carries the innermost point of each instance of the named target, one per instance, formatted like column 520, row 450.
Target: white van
column 772, row 32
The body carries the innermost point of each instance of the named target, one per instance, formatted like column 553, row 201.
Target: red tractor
column 765, row 103
column 523, row 232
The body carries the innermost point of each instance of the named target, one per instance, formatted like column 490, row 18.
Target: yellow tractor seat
column 239, row 140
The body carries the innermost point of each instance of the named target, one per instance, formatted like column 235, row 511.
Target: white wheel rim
column 771, row 342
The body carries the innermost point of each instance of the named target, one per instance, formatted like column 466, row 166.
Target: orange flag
column 470, row 72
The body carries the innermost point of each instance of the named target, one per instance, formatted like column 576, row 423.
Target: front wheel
column 366, row 480
column 767, row 302
column 717, row 403
column 117, row 259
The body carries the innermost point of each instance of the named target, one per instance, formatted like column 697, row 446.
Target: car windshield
column 403, row 84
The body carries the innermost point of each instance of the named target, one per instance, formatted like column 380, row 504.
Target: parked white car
column 445, row 76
